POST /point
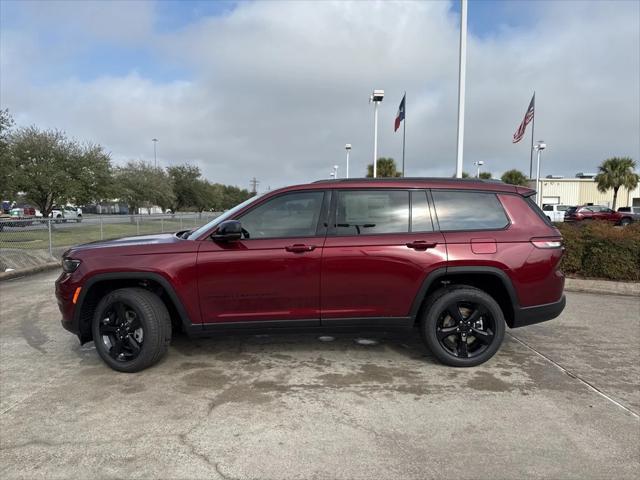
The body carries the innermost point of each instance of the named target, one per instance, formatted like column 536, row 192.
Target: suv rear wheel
column 131, row 329
column 462, row 326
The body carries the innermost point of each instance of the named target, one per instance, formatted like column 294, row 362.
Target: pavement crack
column 571, row 374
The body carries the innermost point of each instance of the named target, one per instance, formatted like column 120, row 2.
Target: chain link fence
column 26, row 243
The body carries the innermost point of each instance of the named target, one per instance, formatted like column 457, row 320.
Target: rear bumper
column 539, row 313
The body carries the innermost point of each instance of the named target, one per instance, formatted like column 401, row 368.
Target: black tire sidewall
column 435, row 307
column 154, row 323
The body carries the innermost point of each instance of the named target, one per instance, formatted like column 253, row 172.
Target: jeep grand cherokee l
column 457, row 259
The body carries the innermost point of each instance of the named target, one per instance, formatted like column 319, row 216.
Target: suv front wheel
column 462, row 326
column 131, row 329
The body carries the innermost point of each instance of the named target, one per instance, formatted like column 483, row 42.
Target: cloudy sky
column 275, row 89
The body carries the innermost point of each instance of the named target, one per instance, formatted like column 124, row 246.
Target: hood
column 160, row 238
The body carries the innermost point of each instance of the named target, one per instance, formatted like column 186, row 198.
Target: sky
column 275, row 89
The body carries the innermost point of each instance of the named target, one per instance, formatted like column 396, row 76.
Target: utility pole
column 254, row 185
column 155, row 158
column 462, row 73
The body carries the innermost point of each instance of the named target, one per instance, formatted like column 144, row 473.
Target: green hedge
column 600, row 250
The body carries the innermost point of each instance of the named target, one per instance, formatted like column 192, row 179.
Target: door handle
column 421, row 245
column 299, row 248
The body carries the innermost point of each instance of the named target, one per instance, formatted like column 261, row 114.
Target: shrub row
column 600, row 250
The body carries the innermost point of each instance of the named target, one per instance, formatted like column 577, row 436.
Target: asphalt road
column 560, row 400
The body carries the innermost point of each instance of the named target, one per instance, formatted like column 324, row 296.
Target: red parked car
column 457, row 259
column 594, row 212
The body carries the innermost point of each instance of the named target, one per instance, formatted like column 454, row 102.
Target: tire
column 79, row 219
column 482, row 336
column 625, row 221
column 144, row 316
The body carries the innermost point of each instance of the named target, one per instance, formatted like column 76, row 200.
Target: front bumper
column 538, row 313
column 65, row 288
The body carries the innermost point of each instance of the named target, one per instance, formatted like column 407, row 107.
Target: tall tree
column 514, row 177
column 186, row 186
column 386, row 168
column 141, row 185
column 51, row 169
column 617, row 172
column 7, row 164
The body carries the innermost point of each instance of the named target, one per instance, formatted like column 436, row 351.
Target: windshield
column 226, row 215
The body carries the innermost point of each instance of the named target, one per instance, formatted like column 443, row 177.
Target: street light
column 347, row 147
column 155, row 158
column 376, row 97
column 478, row 164
column 538, row 147
column 335, row 170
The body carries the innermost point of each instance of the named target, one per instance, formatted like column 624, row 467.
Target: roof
column 416, row 182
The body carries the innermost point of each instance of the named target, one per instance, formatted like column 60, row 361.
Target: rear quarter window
column 460, row 210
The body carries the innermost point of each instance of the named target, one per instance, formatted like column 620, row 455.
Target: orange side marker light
column 76, row 294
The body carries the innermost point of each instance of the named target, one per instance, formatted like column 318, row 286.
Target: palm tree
column 386, row 168
column 514, row 177
column 617, row 172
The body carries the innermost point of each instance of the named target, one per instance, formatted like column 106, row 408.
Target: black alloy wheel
column 121, row 331
column 465, row 329
column 131, row 329
column 462, row 326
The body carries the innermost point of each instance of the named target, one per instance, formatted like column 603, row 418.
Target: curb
column 23, row 272
column 603, row 287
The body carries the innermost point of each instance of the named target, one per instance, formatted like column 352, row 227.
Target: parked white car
column 555, row 213
column 64, row 214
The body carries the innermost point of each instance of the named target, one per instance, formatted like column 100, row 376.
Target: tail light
column 547, row 242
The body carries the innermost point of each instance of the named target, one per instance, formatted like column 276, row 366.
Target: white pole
column 538, row 193
column 375, row 139
column 461, row 86
column 347, row 164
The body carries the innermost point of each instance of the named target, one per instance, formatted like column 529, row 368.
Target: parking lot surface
column 560, row 400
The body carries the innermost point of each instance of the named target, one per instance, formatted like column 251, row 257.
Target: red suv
column 458, row 259
column 594, row 212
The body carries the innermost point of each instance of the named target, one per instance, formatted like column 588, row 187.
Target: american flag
column 527, row 118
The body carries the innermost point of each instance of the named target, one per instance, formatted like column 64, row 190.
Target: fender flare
column 155, row 277
column 444, row 271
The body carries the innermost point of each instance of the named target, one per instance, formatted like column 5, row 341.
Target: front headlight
column 70, row 265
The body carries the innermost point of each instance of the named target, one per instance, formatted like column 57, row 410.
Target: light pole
column 478, row 164
column 538, row 147
column 376, row 97
column 335, row 171
column 462, row 74
column 155, row 158
column 347, row 147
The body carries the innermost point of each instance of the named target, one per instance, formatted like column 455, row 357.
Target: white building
column 580, row 191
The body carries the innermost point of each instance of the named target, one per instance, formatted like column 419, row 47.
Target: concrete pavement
column 560, row 400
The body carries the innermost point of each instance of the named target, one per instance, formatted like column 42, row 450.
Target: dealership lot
column 560, row 400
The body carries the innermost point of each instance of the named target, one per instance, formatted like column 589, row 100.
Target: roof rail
column 409, row 179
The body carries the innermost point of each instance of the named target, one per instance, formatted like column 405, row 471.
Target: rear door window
column 462, row 210
column 371, row 212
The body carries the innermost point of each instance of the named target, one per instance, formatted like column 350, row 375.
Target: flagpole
column 404, row 129
column 533, row 127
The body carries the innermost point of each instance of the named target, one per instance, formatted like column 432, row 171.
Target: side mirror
column 228, row 231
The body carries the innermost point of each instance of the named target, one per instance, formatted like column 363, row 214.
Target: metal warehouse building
column 580, row 191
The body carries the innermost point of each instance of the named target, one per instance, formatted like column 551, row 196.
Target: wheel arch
column 99, row 285
column 491, row 280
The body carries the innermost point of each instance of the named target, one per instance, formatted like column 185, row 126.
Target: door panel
column 372, row 265
column 254, row 280
column 377, row 275
column 273, row 273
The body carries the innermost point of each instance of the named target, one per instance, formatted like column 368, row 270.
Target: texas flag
column 400, row 115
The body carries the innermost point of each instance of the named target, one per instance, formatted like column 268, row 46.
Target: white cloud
column 277, row 89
